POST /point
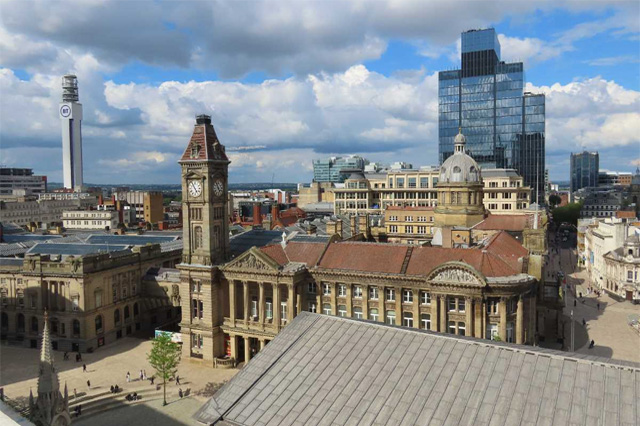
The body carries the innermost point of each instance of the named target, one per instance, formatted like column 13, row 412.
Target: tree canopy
column 164, row 358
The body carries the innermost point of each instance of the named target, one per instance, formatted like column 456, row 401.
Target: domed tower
column 459, row 189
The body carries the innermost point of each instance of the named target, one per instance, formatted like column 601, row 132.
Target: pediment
column 253, row 260
column 456, row 273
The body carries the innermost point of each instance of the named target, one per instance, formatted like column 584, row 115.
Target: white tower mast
column 71, row 119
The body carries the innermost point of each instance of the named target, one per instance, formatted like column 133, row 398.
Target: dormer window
column 195, row 150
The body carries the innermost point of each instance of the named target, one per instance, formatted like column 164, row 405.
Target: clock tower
column 205, row 241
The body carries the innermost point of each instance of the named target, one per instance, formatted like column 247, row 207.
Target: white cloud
column 613, row 60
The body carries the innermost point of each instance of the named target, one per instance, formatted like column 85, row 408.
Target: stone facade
column 92, row 300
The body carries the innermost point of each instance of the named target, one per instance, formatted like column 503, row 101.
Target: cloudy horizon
column 296, row 81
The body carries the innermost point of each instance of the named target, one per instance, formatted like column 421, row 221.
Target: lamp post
column 572, row 332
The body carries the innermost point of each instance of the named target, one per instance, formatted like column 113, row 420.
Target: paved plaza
column 607, row 325
column 108, row 366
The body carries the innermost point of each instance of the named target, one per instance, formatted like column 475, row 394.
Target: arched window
column 34, row 324
column 457, row 169
column 373, row 314
column 116, row 316
column 126, row 313
column 197, row 237
column 216, row 236
column 136, row 310
column 99, row 324
column 20, row 323
column 76, row 327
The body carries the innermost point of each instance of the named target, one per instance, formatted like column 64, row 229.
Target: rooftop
column 329, row 370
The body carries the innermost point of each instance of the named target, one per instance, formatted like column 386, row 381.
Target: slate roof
column 75, row 249
column 240, row 243
column 325, row 370
column 134, row 240
column 208, row 146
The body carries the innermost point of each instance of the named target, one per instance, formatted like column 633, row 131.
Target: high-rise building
column 485, row 99
column 330, row 169
column 71, row 118
column 12, row 178
column 584, row 170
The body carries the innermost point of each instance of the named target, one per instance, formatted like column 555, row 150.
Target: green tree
column 569, row 213
column 164, row 358
column 554, row 200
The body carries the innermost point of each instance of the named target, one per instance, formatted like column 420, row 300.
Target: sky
column 287, row 82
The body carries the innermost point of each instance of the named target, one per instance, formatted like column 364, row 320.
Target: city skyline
column 369, row 88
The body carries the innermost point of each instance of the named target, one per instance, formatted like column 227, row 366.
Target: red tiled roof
column 505, row 222
column 293, row 211
column 307, row 253
column 623, row 214
column 500, row 256
column 365, row 257
column 209, row 147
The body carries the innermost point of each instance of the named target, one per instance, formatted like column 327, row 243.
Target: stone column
column 477, row 321
column 468, row 309
column 247, row 350
column 520, row 322
column 398, row 305
column 443, row 314
column 502, row 307
column 382, row 301
column 276, row 305
column 349, row 300
column 416, row 308
column 233, row 342
column 232, row 303
column 365, row 301
column 319, row 299
column 334, row 299
column 435, row 301
column 262, row 343
column 298, row 293
column 261, row 303
column 290, row 298
column 245, row 298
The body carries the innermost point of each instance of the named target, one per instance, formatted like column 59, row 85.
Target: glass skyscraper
column 330, row 169
column 585, row 168
column 504, row 125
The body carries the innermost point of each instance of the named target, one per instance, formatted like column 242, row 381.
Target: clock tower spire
column 204, row 197
column 205, row 224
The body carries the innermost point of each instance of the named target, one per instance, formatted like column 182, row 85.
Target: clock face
column 195, row 188
column 218, row 188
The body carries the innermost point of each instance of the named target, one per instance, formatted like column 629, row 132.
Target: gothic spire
column 48, row 378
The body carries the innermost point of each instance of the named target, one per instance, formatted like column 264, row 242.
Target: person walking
column 144, row 374
column 88, row 384
column 128, row 377
column 152, row 379
column 583, row 322
column 180, row 393
column 75, row 395
column 598, row 305
column 84, row 368
column 177, row 380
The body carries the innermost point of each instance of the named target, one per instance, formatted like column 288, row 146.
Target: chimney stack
column 257, row 214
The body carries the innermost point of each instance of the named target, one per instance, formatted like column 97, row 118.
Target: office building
column 330, row 169
column 504, row 126
column 71, row 119
column 607, row 178
column 27, row 209
column 21, row 179
column 90, row 219
column 584, row 170
column 148, row 205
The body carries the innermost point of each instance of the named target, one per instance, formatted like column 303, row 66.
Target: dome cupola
column 460, row 167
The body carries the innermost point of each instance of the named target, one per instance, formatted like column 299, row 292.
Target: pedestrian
column 592, row 344
column 180, row 393
column 88, row 384
column 79, row 356
column 112, row 389
column 141, row 375
column 75, row 395
column 152, row 379
column 584, row 322
column 598, row 305
column 79, row 410
column 128, row 377
column 144, row 374
column 580, row 295
column 177, row 380
column 84, row 368
column 575, row 302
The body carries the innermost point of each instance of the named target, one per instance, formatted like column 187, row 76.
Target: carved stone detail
column 251, row 262
column 456, row 276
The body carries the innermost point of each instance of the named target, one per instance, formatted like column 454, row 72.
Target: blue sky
column 300, row 80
